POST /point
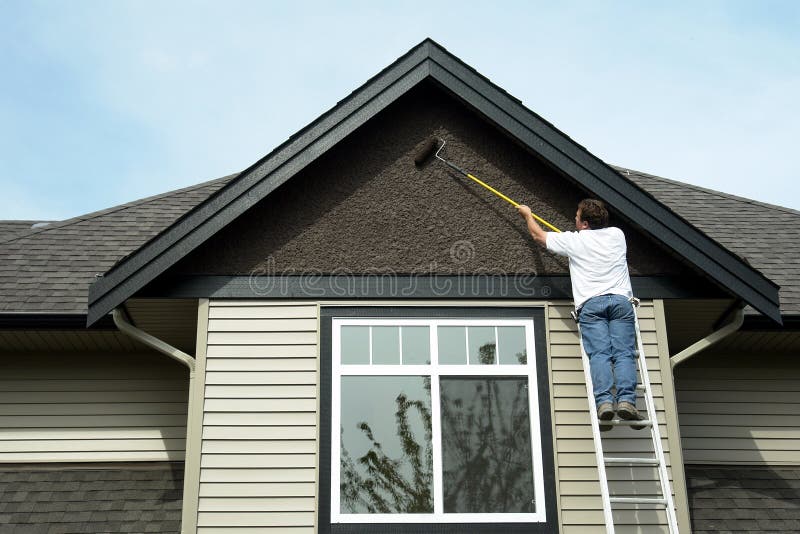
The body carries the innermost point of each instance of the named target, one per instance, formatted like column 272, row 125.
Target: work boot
column 605, row 412
column 627, row 411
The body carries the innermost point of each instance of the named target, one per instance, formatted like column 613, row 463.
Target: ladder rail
column 598, row 440
column 655, row 432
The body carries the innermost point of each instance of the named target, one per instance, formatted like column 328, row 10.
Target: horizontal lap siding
column 258, row 460
column 579, row 489
column 86, row 407
column 740, row 413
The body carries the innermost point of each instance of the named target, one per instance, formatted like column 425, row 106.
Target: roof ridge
column 721, row 194
column 112, row 209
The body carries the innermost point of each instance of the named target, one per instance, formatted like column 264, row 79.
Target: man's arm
column 539, row 235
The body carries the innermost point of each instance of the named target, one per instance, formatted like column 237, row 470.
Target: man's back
column 597, row 261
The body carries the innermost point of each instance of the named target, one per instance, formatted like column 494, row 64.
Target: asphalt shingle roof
column 744, row 498
column 765, row 235
column 9, row 229
column 48, row 269
column 87, row 498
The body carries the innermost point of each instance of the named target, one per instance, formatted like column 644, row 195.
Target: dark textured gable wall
column 363, row 207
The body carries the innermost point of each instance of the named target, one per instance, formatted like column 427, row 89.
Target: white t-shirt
column 597, row 262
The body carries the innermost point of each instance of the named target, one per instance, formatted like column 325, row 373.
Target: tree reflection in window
column 395, row 472
column 486, row 445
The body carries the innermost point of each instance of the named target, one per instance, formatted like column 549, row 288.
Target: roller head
column 426, row 152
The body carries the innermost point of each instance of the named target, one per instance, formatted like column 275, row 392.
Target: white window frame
column 435, row 371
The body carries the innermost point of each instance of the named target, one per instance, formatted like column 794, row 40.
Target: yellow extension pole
column 515, row 204
column 487, row 186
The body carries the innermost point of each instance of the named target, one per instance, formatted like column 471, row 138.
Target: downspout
column 122, row 321
column 711, row 339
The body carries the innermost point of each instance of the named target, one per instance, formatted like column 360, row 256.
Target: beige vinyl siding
column 740, row 409
column 86, row 407
column 579, row 490
column 259, row 439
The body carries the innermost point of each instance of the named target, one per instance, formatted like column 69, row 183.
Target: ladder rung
column 638, row 500
column 640, row 387
column 628, row 422
column 631, row 461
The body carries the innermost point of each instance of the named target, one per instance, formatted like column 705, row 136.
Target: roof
column 10, row 228
column 49, row 268
column 744, row 498
column 430, row 63
column 86, row 497
column 764, row 235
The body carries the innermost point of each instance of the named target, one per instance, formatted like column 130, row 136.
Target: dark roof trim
column 759, row 323
column 52, row 321
column 430, row 61
column 376, row 286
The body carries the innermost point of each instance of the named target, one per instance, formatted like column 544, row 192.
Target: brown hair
column 594, row 212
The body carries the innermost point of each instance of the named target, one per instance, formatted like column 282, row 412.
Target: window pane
column 416, row 345
column 355, row 345
column 386, row 460
column 486, row 445
column 482, row 345
column 386, row 345
column 452, row 345
column 512, row 344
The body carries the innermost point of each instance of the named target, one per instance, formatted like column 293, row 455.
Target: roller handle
column 498, row 193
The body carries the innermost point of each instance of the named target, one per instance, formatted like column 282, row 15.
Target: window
column 435, row 420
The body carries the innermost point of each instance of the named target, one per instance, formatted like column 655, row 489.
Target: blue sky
column 105, row 102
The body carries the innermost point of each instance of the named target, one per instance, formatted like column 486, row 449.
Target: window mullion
column 433, row 334
column 496, row 346
column 436, row 423
column 466, row 342
column 400, row 343
column 370, row 345
column 436, row 436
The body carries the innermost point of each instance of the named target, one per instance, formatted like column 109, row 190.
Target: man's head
column 592, row 215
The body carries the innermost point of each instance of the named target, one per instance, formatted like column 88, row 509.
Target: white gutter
column 710, row 339
column 189, row 478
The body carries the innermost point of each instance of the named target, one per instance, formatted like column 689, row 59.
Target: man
column 601, row 287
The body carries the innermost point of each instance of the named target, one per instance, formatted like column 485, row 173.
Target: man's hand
column 524, row 210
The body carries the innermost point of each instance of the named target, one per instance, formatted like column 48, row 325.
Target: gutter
column 121, row 319
column 711, row 339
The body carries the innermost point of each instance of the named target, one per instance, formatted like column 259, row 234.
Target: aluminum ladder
column 665, row 501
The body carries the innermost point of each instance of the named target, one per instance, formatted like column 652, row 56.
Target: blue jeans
column 609, row 339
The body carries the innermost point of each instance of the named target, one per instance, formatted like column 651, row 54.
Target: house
column 336, row 341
